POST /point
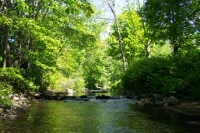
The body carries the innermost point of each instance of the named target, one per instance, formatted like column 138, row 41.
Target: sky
column 102, row 5
column 106, row 12
column 119, row 5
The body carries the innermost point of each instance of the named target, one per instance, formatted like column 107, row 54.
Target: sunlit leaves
column 21, row 6
column 5, row 20
column 38, row 37
column 132, row 35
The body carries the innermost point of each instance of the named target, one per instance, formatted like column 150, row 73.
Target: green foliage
column 5, row 91
column 76, row 84
column 56, row 44
column 174, row 21
column 132, row 37
column 178, row 76
column 97, row 67
column 161, row 50
column 186, row 72
column 146, row 75
column 36, row 35
column 13, row 76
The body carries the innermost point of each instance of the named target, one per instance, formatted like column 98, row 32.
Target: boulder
column 37, row 95
column 2, row 110
column 159, row 103
column 20, row 101
column 16, row 98
column 171, row 101
column 195, row 123
column 144, row 101
column 12, row 117
column 10, row 112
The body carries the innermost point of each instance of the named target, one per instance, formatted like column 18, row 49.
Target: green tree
column 33, row 34
column 173, row 21
column 132, row 37
column 118, row 34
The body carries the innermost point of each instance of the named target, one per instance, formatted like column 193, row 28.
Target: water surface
column 111, row 116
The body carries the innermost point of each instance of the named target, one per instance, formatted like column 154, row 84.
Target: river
column 111, row 116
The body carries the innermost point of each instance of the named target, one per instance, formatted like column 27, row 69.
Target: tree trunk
column 148, row 48
column 19, row 49
column 175, row 47
column 6, row 46
column 119, row 37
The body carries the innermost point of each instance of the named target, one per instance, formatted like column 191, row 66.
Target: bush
column 5, row 91
column 146, row 76
column 173, row 75
column 15, row 77
column 187, row 74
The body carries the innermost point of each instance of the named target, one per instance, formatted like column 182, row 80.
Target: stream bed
column 97, row 116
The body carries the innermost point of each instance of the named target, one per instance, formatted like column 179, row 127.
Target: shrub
column 146, row 75
column 173, row 75
column 5, row 91
column 13, row 77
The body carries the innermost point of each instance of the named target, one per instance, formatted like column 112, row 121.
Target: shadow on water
column 170, row 118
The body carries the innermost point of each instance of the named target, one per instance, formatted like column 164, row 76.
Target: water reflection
column 112, row 116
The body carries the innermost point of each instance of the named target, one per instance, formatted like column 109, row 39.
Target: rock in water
column 196, row 123
column 12, row 117
column 2, row 110
column 172, row 100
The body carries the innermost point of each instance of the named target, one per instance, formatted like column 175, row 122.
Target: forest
column 152, row 47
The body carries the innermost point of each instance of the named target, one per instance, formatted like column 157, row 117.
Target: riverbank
column 18, row 102
column 191, row 108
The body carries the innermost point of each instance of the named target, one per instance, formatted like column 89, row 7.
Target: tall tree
column 121, row 47
column 174, row 21
column 134, row 7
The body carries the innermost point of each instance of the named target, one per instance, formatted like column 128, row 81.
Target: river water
column 111, row 116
